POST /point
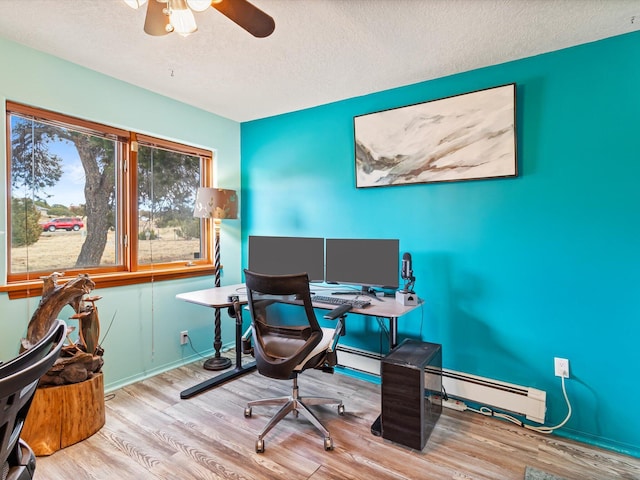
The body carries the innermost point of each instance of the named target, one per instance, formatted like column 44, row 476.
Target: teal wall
column 513, row 271
column 147, row 319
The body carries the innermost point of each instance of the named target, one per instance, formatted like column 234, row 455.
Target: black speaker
column 411, row 392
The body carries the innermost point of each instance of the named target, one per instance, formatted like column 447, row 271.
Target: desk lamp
column 216, row 204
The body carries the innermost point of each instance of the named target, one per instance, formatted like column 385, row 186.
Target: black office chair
column 287, row 339
column 18, row 381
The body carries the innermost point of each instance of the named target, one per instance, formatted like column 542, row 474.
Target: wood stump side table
column 63, row 415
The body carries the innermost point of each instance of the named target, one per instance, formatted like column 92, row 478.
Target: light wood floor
column 151, row 434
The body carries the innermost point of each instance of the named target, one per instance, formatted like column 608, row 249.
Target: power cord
column 108, row 328
column 484, row 410
column 383, row 330
column 194, row 350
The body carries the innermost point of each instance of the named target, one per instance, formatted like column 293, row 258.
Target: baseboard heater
column 526, row 401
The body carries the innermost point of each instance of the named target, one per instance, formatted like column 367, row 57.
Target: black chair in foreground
column 287, row 339
column 18, row 381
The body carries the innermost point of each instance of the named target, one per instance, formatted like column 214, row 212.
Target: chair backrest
column 18, row 381
column 285, row 327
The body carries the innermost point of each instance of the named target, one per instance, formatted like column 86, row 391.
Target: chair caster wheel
column 328, row 444
column 259, row 446
column 341, row 409
column 247, row 412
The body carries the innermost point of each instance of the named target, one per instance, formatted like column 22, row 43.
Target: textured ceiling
column 321, row 50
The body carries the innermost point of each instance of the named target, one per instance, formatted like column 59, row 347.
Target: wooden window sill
column 33, row 288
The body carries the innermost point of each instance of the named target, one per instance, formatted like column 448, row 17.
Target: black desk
column 218, row 298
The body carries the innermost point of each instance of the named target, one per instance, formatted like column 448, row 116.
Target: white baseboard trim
column 526, row 401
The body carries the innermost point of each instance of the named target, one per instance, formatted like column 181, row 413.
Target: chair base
column 296, row 404
column 26, row 467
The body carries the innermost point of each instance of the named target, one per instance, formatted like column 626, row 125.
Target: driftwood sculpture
column 54, row 298
column 78, row 361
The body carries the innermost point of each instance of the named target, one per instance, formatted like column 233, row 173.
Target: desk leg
column 226, row 376
column 218, row 380
column 393, row 332
column 217, row 362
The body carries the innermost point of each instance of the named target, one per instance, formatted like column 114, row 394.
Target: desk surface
column 217, row 297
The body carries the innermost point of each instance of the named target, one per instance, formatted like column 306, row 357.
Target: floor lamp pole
column 217, row 362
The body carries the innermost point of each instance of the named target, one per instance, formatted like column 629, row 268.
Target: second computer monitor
column 363, row 262
column 286, row 255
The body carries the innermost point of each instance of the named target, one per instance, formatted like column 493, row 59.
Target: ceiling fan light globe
column 199, row 5
column 187, row 33
column 183, row 21
column 135, row 4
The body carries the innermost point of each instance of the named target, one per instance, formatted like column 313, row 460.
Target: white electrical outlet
column 184, row 337
column 561, row 367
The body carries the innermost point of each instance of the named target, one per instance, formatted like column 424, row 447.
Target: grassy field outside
column 60, row 249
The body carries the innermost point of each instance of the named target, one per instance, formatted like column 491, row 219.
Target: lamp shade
column 216, row 203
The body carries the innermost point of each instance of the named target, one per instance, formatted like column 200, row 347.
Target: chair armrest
column 338, row 312
column 245, row 341
column 336, row 334
column 248, row 333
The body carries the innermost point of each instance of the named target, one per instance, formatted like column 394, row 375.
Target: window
column 90, row 198
column 167, row 184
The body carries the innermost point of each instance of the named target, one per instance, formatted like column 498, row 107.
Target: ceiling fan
column 166, row 16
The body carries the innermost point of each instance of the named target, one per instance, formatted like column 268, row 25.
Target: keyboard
column 340, row 301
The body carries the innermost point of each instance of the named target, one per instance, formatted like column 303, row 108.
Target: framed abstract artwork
column 464, row 137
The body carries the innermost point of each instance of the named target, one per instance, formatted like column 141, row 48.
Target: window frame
column 128, row 271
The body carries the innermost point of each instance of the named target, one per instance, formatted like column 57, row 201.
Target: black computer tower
column 411, row 400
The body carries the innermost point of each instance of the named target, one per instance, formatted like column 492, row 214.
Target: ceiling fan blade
column 156, row 21
column 246, row 15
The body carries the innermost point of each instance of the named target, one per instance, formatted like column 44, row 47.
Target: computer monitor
column 284, row 255
column 363, row 262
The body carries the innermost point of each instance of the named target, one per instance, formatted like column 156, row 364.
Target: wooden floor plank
column 152, row 434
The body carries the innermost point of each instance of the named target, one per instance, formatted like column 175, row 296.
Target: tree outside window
column 79, row 192
column 167, row 186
